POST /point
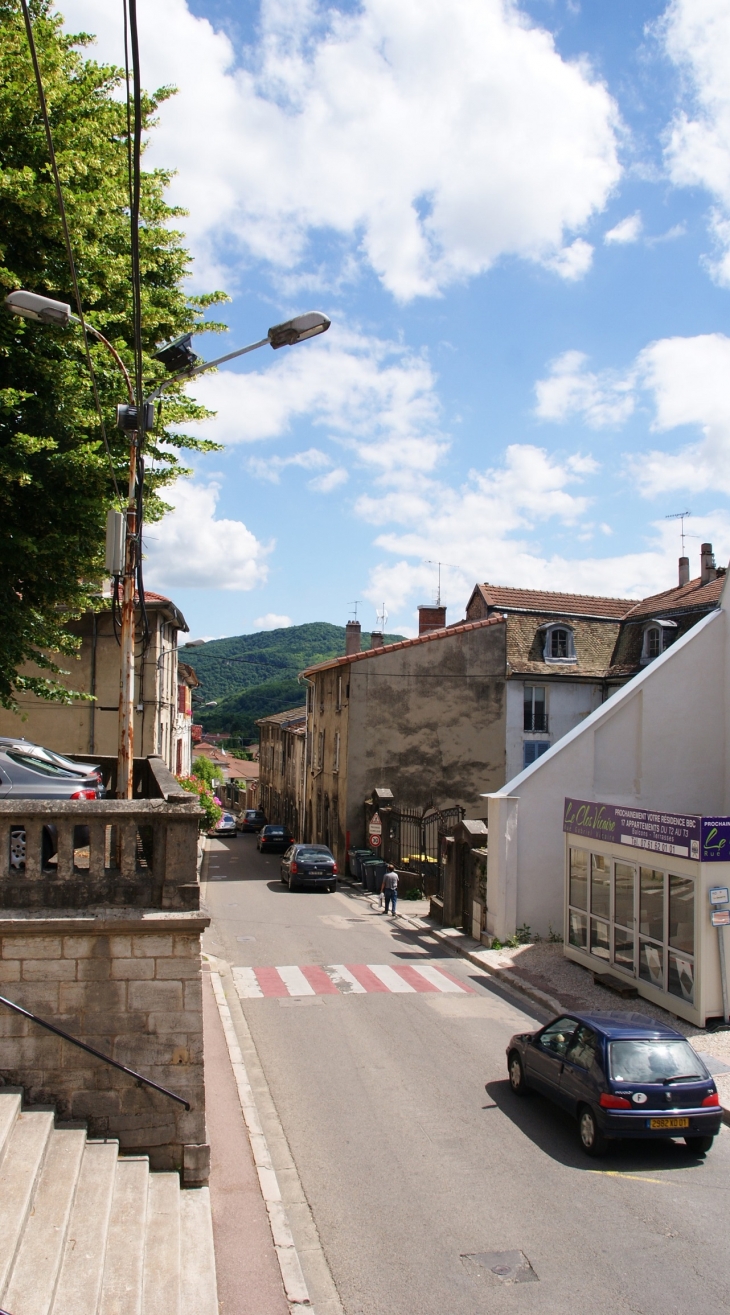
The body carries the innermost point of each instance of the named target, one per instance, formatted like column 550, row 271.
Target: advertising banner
column 716, row 839
column 664, row 833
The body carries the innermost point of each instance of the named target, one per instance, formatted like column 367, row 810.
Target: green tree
column 204, row 769
column 55, row 477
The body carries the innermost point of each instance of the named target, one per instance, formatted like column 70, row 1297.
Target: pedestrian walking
column 390, row 889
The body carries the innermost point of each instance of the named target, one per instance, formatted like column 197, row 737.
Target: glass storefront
column 658, row 946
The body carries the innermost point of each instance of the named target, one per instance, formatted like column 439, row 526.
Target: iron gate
column 412, row 842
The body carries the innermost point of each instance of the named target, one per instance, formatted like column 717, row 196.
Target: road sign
column 375, row 840
column 376, row 826
column 720, row 917
column 719, row 895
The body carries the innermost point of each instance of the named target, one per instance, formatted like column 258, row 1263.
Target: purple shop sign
column 663, row 833
column 716, row 839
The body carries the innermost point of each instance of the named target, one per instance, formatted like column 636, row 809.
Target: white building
column 656, row 757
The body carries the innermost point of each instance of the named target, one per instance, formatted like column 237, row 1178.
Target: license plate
column 668, row 1123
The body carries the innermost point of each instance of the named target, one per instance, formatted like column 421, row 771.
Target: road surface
column 418, row 1163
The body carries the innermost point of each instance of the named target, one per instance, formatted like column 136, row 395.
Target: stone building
column 281, row 763
column 163, row 690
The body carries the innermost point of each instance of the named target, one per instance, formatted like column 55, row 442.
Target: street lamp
column 45, row 310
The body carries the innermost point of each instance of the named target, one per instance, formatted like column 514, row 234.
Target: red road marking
column 318, row 978
column 270, row 981
column 458, row 980
column 413, row 978
column 366, row 978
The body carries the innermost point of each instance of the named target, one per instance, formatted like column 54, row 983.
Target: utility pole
column 125, row 759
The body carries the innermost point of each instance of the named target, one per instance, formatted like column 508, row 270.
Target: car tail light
column 334, row 869
column 293, row 867
column 712, row 1099
column 84, row 794
column 609, row 1102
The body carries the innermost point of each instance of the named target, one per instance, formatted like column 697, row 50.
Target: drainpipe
column 92, row 706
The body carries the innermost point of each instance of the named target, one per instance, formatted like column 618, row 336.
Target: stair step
column 198, row 1292
column 162, row 1250
column 19, row 1172
column 38, row 1257
column 82, row 1268
column 124, row 1264
column 9, row 1110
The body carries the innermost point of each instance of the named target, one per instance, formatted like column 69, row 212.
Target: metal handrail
column 51, row 1027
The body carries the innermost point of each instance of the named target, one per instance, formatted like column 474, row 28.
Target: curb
column 295, row 1287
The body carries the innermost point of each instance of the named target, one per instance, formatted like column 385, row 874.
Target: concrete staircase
column 83, row 1232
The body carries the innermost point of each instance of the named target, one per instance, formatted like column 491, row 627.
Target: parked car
column 272, row 838
column 309, row 865
column 225, row 826
column 620, row 1075
column 253, row 819
column 29, row 771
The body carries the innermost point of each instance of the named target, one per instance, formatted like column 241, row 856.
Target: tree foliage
column 56, row 480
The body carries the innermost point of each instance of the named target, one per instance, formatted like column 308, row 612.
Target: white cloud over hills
column 192, row 548
column 431, row 138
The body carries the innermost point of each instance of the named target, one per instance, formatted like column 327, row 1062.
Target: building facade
column 282, row 749
column 91, row 726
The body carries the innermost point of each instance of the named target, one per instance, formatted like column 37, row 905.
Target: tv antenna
column 381, row 618
column 440, row 564
column 680, row 516
column 355, row 603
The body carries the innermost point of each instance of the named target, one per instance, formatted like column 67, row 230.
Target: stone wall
column 128, row 982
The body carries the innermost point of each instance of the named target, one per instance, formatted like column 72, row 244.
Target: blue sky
column 517, row 217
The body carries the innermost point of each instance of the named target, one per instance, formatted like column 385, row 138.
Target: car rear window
column 274, row 830
column 316, row 855
column 37, row 761
column 654, row 1061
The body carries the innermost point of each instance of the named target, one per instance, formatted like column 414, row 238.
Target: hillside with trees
column 252, row 676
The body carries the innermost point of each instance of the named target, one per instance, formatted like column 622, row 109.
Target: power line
column 66, row 234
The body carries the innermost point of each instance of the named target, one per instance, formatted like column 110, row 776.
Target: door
column 580, row 1077
column 545, row 1056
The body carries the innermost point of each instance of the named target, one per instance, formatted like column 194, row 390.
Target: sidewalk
column 249, row 1278
column 541, row 972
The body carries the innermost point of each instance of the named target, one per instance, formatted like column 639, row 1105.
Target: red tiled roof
column 432, row 635
column 544, row 601
column 288, row 715
column 242, row 769
column 694, row 594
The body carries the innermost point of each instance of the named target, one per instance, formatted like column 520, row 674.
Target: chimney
column 707, row 564
column 683, row 571
column 376, row 639
column 352, row 637
column 431, row 618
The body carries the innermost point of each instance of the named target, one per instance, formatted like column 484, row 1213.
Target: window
column 657, row 636
column 336, row 762
column 339, row 692
column 582, row 1049
column 535, row 718
column 557, row 1037
column 559, row 644
column 534, row 749
column 320, row 749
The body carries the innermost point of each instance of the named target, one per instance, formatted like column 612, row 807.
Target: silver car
column 30, row 771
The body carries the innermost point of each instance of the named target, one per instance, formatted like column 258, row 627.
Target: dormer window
column 657, row 637
column 559, row 644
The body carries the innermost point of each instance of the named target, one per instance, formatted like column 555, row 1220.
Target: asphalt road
column 415, row 1156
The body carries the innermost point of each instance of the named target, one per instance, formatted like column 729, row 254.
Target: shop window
column 651, row 904
column 535, row 712
column 579, row 878
column 600, row 886
column 578, row 929
column 559, row 644
column 532, row 750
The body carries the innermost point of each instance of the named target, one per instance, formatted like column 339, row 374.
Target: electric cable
column 66, row 234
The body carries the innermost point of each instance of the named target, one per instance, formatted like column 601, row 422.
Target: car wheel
column 591, row 1138
column 332, row 888
column 699, row 1145
column 292, row 884
column 283, row 877
column 517, row 1075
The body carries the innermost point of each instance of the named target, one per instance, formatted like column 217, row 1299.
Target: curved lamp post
column 179, row 357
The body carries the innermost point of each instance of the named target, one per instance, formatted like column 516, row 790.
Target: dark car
column 309, row 865
column 273, row 838
column 253, row 819
column 620, row 1075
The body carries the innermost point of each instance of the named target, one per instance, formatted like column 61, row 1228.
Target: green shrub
column 204, row 769
column 209, row 803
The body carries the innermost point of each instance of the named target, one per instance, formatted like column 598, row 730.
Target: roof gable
column 433, row 636
column 547, row 603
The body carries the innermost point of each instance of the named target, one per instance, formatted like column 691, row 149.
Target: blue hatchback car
column 620, row 1075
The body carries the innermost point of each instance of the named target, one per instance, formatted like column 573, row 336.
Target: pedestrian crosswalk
column 346, row 979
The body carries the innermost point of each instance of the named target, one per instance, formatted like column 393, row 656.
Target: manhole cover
column 506, row 1266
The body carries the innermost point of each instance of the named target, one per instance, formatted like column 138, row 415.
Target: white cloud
column 377, row 399
column 686, row 379
column 193, row 549
column 272, row 621
column 270, row 468
column 602, row 399
column 627, row 230
column 334, row 479
column 697, row 38
column 431, row 138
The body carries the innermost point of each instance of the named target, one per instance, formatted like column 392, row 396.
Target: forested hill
column 252, row 676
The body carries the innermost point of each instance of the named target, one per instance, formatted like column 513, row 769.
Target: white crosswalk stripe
column 247, row 984
column 437, row 979
column 344, row 980
column 295, row 981
column 390, row 978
